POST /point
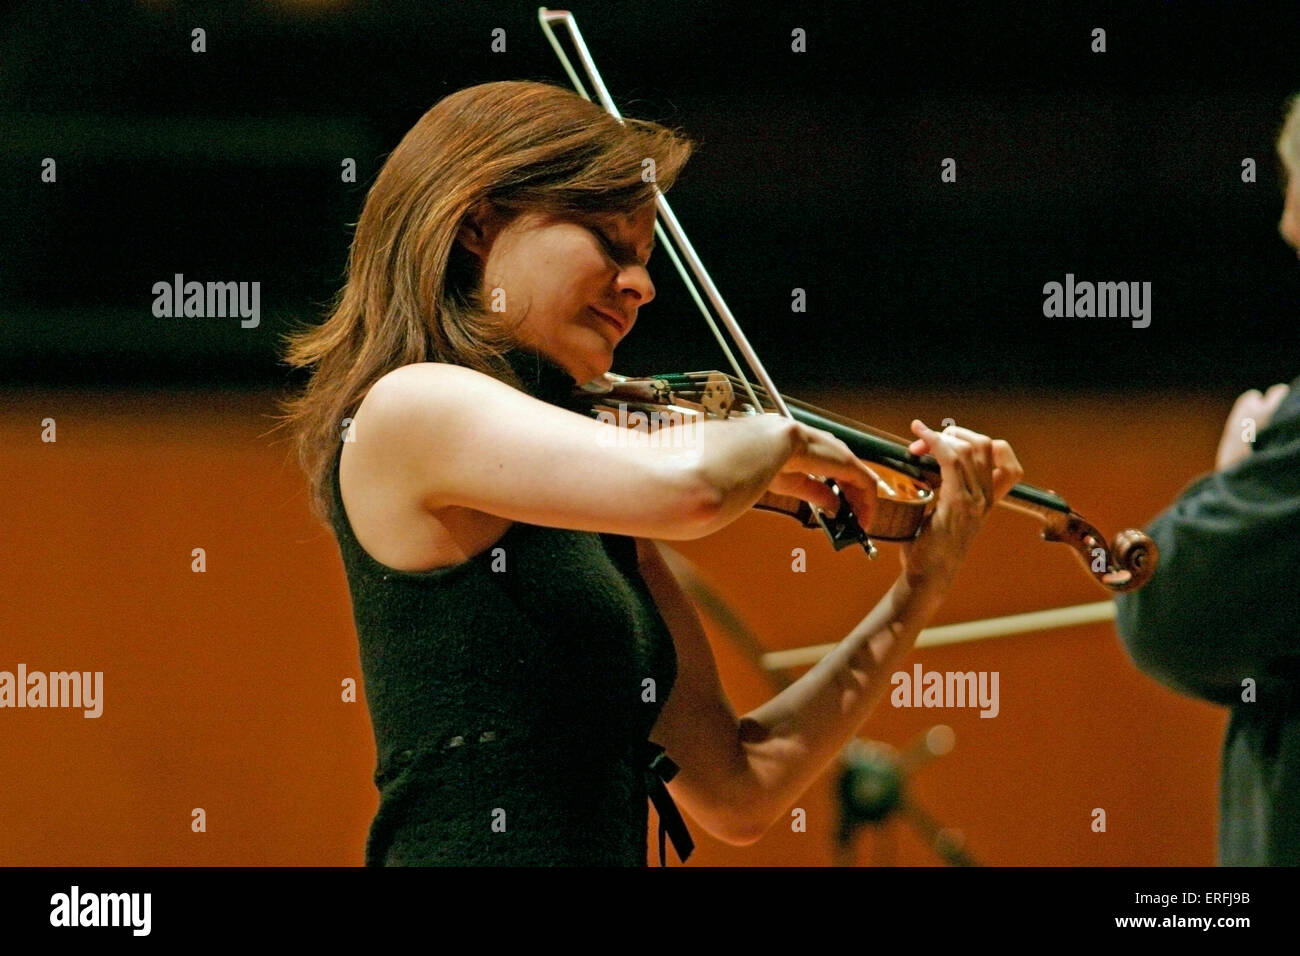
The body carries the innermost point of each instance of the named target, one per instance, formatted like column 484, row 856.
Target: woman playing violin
column 532, row 669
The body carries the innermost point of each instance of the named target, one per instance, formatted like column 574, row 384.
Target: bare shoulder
column 381, row 472
column 401, row 406
column 425, row 380
column 402, row 397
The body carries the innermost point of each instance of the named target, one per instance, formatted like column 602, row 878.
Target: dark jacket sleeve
column 1224, row 603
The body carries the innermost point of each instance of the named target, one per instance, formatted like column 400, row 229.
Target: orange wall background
column 222, row 690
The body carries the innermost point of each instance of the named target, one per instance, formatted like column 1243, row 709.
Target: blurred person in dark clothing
column 1220, row 620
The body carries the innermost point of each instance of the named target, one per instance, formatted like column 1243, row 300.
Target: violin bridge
column 718, row 397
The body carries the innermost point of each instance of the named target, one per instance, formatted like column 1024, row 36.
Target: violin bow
column 843, row 525
column 1124, row 565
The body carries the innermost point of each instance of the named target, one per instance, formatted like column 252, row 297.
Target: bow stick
column 775, row 663
column 844, row 520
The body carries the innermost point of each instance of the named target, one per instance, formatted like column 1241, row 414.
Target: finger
column 996, row 469
column 975, row 467
column 920, row 446
column 1247, row 399
column 807, row 488
column 1007, row 471
column 829, row 457
column 1275, row 395
column 953, row 456
column 925, row 436
column 981, row 445
column 852, row 474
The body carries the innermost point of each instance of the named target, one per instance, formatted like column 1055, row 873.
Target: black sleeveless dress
column 512, row 696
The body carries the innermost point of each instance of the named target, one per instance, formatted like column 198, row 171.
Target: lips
column 619, row 324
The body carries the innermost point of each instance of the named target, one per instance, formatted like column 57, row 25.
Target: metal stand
column 872, row 791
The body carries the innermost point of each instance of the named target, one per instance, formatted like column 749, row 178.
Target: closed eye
column 611, row 247
column 617, row 251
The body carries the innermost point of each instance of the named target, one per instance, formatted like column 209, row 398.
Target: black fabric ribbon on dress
column 659, row 770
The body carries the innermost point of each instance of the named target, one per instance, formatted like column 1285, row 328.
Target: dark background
column 817, row 170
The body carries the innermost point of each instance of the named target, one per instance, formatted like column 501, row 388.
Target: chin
column 592, row 371
column 595, row 363
column 584, row 356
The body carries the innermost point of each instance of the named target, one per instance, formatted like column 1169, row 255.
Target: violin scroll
column 1124, row 566
column 1135, row 552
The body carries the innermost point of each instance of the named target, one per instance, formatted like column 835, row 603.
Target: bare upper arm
column 453, row 437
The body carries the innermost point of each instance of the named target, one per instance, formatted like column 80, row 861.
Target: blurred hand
column 1253, row 406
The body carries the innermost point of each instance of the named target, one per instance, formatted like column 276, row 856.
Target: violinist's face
column 553, row 276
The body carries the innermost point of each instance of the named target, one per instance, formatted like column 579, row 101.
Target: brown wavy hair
column 411, row 293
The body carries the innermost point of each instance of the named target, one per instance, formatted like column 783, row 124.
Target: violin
column 906, row 494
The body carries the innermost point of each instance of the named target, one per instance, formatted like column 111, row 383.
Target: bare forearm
column 789, row 740
column 738, row 460
column 771, row 755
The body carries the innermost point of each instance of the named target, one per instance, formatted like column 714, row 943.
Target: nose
column 634, row 281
